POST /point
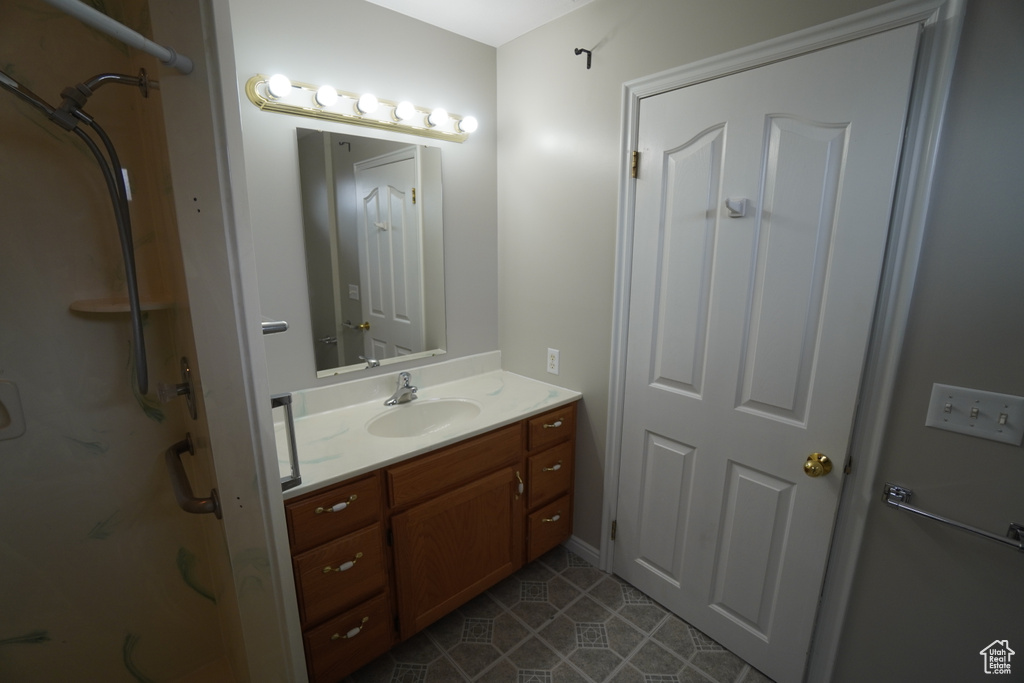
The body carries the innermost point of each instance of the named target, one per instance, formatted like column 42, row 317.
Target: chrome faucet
column 405, row 393
column 370, row 362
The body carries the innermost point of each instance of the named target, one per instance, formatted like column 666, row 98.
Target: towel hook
column 580, row 51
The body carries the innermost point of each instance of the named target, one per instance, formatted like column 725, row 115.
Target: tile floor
column 560, row 620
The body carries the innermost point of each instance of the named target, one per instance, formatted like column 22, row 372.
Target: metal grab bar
column 182, row 488
column 899, row 497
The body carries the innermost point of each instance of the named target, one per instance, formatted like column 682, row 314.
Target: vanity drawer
column 549, row 474
column 336, row 512
column 454, row 465
column 345, row 643
column 548, row 527
column 551, row 427
column 340, row 574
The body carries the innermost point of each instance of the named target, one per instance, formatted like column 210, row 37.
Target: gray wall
column 927, row 599
column 360, row 47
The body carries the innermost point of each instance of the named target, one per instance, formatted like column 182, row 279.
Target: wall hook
column 580, row 51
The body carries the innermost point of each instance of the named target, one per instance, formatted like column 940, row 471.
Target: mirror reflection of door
column 340, row 296
column 390, row 255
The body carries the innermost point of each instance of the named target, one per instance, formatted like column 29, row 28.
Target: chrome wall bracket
column 168, row 392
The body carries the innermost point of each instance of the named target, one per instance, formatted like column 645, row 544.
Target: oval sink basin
column 422, row 417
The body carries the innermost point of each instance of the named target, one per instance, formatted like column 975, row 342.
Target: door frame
column 941, row 21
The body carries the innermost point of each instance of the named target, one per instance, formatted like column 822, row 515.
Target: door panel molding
column 940, row 22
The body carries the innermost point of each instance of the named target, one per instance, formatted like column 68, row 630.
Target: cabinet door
column 455, row 546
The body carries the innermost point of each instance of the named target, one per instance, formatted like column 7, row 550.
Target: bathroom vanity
column 385, row 552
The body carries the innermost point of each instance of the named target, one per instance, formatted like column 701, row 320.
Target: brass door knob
column 364, row 326
column 817, row 465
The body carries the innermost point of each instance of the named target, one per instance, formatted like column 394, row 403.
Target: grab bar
column 295, row 478
column 899, row 497
column 181, row 486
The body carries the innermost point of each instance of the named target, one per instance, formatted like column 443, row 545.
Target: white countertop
column 334, row 445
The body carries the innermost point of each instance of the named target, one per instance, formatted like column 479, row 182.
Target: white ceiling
column 493, row 22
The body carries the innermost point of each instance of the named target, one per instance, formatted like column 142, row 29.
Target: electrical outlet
column 552, row 365
column 984, row 414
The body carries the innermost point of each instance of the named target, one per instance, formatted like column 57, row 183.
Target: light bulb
column 326, row 96
column 367, row 104
column 405, row 111
column 438, row 117
column 468, row 125
column 279, row 86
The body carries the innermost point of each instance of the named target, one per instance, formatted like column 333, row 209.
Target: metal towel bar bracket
column 899, row 498
column 181, row 486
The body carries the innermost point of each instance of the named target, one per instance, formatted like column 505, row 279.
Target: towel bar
column 899, row 497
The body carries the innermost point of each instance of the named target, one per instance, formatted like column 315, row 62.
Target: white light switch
column 353, row 292
column 984, row 414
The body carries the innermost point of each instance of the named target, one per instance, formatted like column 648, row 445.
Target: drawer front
column 345, row 643
column 552, row 427
column 326, row 516
column 549, row 474
column 340, row 574
column 548, row 527
column 454, row 465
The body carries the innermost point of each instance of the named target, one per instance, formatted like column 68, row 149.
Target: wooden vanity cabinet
column 433, row 531
column 342, row 579
column 550, row 466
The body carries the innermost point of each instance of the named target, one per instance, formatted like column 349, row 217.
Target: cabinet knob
column 553, row 518
column 554, row 468
column 521, row 485
column 339, row 507
column 344, row 566
column 554, row 425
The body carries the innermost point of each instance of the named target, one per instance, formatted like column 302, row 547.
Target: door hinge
column 849, row 466
column 615, row 524
column 634, row 168
column 414, row 195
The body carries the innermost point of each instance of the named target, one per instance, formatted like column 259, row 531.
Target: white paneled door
column 762, row 212
column 390, row 255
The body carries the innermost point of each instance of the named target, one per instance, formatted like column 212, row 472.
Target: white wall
column 360, row 47
column 927, row 598
column 558, row 171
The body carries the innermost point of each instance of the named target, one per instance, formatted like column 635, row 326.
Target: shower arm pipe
column 101, row 22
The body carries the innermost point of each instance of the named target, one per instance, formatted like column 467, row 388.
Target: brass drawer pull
column 521, row 486
column 554, row 518
column 352, row 633
column 344, row 566
column 557, row 423
column 339, row 507
column 554, row 468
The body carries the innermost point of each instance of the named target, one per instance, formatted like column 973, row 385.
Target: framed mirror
column 374, row 243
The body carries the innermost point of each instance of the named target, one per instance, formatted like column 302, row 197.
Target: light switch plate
column 984, row 414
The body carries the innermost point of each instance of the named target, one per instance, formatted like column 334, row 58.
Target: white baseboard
column 584, row 550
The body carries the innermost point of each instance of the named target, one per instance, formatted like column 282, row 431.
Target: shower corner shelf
column 117, row 305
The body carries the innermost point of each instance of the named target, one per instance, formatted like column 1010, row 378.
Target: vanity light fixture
column 367, row 103
column 405, row 111
column 326, row 96
column 279, row 87
column 280, row 94
column 438, row 117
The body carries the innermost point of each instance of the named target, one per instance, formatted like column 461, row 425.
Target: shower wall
column 104, row 578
